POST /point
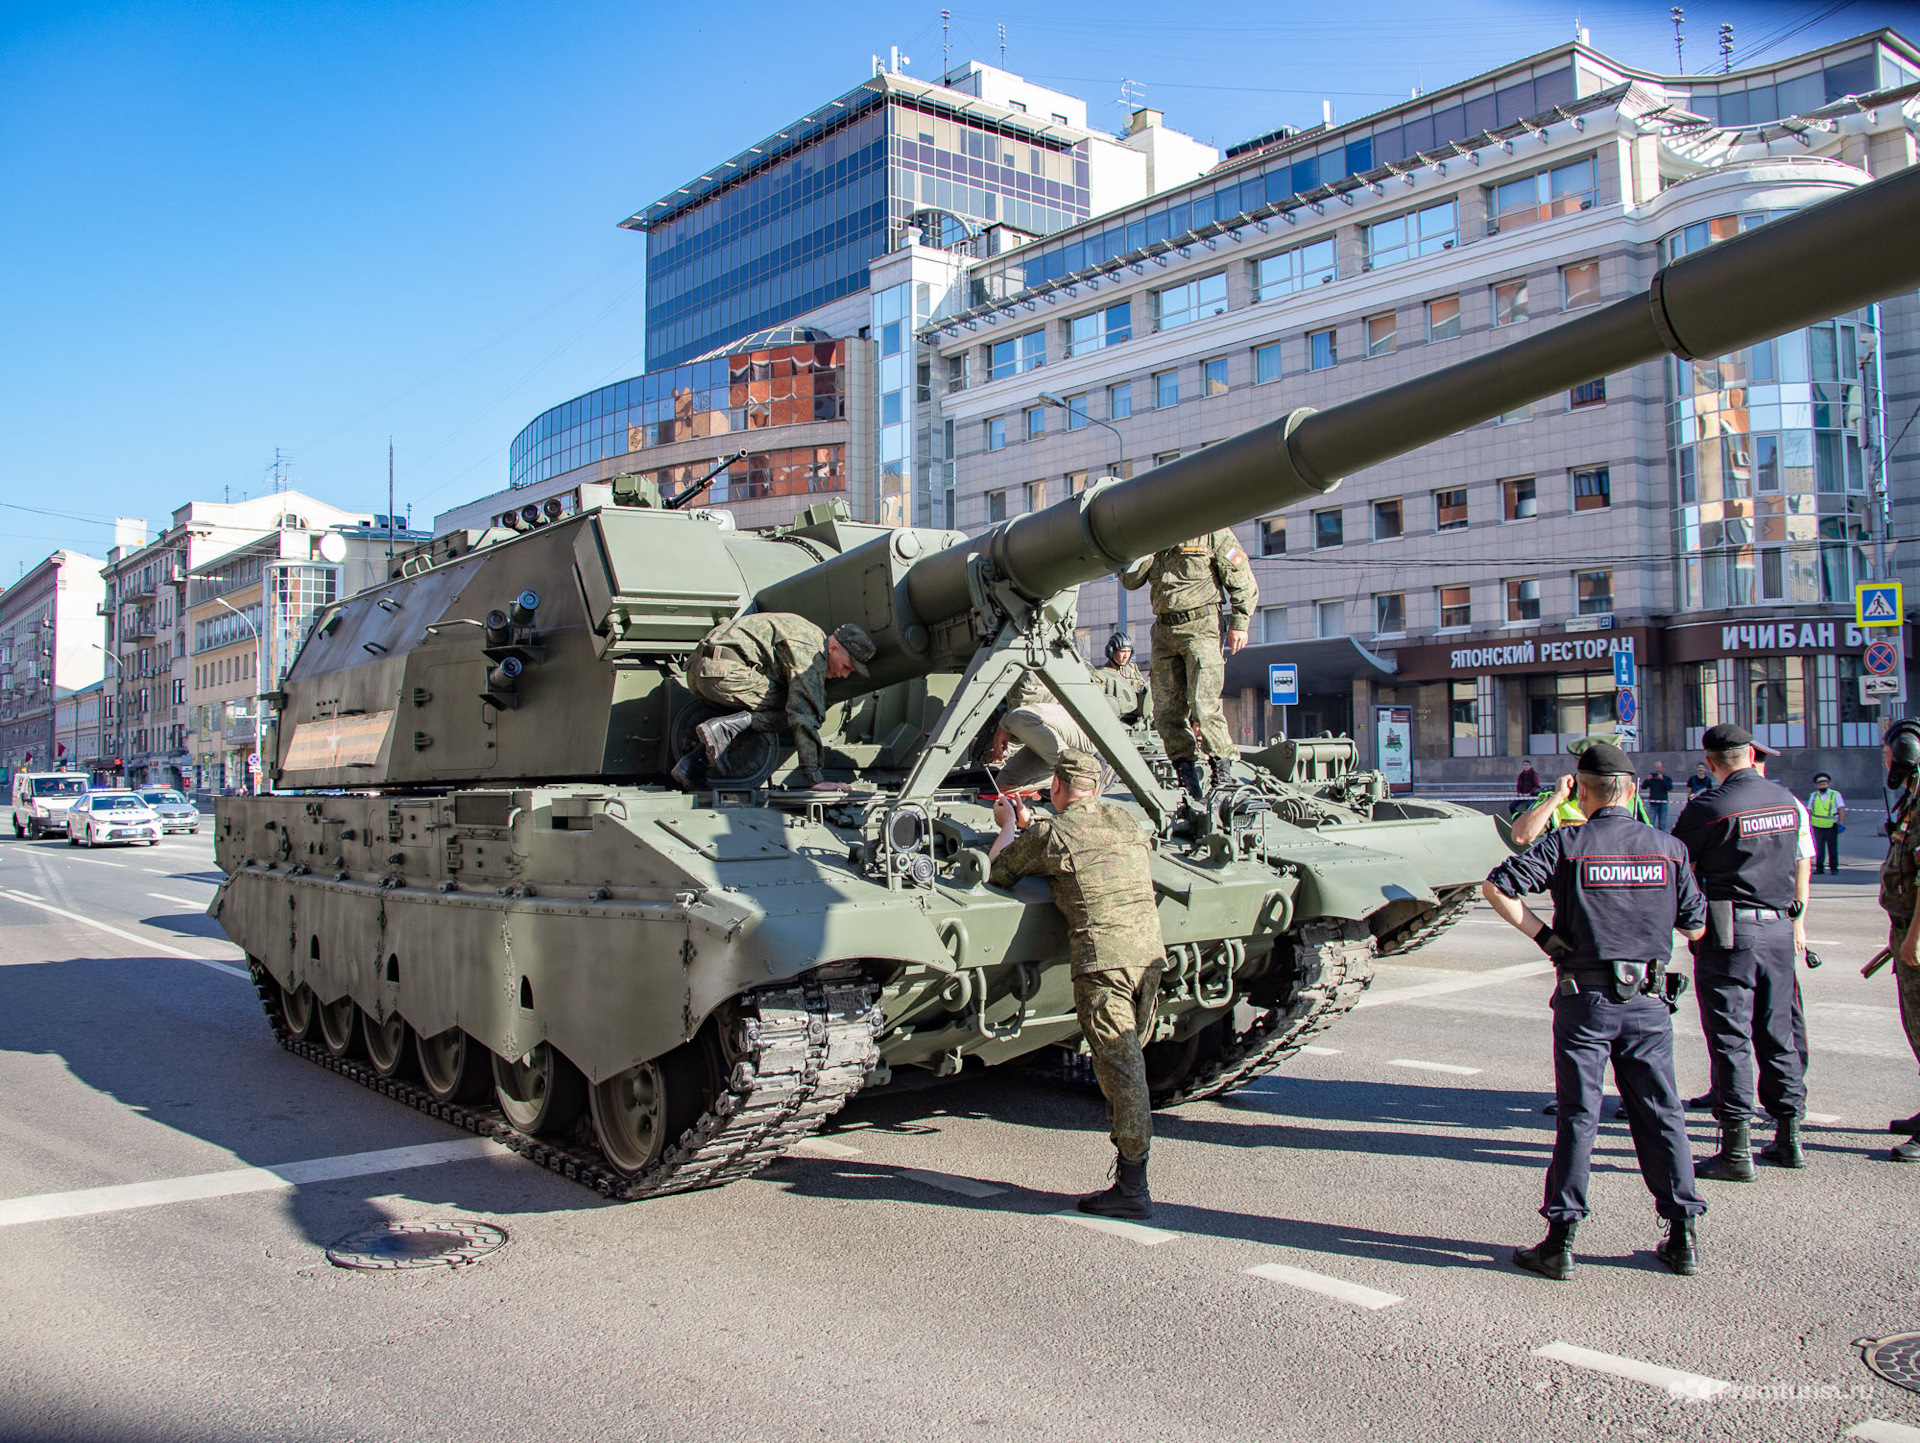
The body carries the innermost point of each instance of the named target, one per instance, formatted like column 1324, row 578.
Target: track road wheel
column 298, row 1007
column 340, row 1026
column 541, row 1093
column 453, row 1066
column 388, row 1043
column 638, row 1114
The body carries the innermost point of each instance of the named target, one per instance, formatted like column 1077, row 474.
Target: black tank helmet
column 1118, row 643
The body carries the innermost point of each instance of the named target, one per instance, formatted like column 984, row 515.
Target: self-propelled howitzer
column 477, row 892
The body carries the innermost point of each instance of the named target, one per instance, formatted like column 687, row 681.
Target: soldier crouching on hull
column 768, row 671
column 1187, row 670
column 1620, row 891
column 1743, row 836
column 1094, row 857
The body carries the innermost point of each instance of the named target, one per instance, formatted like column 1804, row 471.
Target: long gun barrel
column 1829, row 258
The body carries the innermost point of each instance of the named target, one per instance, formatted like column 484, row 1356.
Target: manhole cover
column 1897, row 1359
column 416, row 1245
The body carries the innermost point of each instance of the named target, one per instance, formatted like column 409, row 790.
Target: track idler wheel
column 640, row 1113
column 453, row 1067
column 389, row 1043
column 540, row 1094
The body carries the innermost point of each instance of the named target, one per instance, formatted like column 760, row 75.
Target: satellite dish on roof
column 333, row 547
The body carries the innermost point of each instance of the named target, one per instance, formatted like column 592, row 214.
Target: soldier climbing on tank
column 1187, row 668
column 1043, row 729
column 768, row 671
column 1094, row 855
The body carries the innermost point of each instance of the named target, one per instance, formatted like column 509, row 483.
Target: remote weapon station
column 477, row 891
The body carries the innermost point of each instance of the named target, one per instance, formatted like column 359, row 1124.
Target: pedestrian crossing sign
column 1877, row 603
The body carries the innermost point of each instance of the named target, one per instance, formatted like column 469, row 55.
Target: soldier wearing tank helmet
column 768, row 672
column 1094, row 855
column 1126, row 688
column 1620, row 891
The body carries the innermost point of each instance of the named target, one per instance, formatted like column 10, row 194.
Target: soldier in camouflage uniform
column 1094, row 857
column 1899, row 896
column 1126, row 688
column 768, row 671
column 1187, row 669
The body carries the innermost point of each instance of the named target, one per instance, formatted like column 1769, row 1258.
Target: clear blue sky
column 231, row 228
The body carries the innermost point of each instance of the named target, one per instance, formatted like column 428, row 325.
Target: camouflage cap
column 1078, row 769
column 1580, row 744
column 858, row 644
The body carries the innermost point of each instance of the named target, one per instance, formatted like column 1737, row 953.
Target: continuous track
column 803, row 1049
column 1417, row 934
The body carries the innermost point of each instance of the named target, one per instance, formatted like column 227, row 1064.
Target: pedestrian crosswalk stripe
column 1681, row 1385
column 1327, row 1287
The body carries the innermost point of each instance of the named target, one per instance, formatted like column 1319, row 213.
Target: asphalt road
column 908, row 1278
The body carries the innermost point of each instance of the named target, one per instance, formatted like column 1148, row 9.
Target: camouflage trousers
column 721, row 679
column 1042, row 730
column 1907, row 980
column 1186, row 674
column 1116, row 1009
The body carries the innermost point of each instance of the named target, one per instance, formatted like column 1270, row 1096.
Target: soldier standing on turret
column 1187, row 668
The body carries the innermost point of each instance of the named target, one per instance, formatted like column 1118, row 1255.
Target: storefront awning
column 1330, row 664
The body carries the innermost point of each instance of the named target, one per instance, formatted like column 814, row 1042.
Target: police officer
column 1899, row 894
column 1186, row 669
column 1094, row 856
column 1742, row 836
column 1620, row 890
column 768, row 671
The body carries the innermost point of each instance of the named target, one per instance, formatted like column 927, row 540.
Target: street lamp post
column 1048, row 398
column 258, row 658
column 113, row 660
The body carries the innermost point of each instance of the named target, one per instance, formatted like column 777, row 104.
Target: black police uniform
column 1742, row 836
column 1619, row 890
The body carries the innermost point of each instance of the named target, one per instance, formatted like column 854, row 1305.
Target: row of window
column 1205, row 297
column 1591, row 489
column 220, row 673
column 1452, row 608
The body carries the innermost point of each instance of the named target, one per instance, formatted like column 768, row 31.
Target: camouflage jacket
column 791, row 652
column 1194, row 574
column 1127, row 689
column 1094, row 857
column 1900, row 872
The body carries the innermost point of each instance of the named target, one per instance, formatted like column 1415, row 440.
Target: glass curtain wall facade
column 797, row 233
column 750, row 390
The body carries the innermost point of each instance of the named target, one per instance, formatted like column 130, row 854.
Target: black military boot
column 1908, row 1151
column 717, row 733
column 1552, row 1256
column 1127, row 1198
column 690, row 772
column 1909, row 1125
column 1678, row 1251
column 1703, row 1103
column 1785, row 1151
column 1734, row 1161
column 1189, row 774
column 1222, row 770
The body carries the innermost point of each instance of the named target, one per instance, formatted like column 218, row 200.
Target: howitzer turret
column 509, row 903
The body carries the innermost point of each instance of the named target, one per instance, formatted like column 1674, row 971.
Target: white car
column 41, row 799
column 112, row 818
column 177, row 814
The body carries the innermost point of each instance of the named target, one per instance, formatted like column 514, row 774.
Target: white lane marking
column 1451, row 1067
column 1517, row 972
column 1320, row 1051
column 182, row 901
column 1136, row 1232
column 947, row 1182
column 1879, row 1430
column 1679, row 1384
column 1327, row 1287
column 823, row 1147
column 137, row 941
column 1825, row 1118
column 126, row 1196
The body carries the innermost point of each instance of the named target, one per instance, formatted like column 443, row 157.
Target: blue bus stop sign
column 1283, row 684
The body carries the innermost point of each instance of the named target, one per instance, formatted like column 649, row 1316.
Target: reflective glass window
column 1120, row 401
column 1523, row 599
column 1213, row 376
column 1193, row 301
column 1166, row 389
column 1450, row 509
column 1443, row 318
column 1592, row 489
column 1294, row 270
column 1266, row 363
column 1456, row 607
column 1321, row 350
column 1422, row 232
column 1381, row 331
column 1510, row 301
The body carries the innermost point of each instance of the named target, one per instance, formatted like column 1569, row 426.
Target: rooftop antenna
column 1726, row 48
column 946, row 64
column 389, row 503
column 1679, row 41
column 1003, row 47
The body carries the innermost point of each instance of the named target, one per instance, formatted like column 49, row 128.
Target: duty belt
column 1758, row 914
column 1179, row 618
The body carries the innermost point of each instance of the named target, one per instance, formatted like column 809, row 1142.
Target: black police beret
column 1606, row 760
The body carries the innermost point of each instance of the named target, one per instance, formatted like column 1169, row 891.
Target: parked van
column 41, row 799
